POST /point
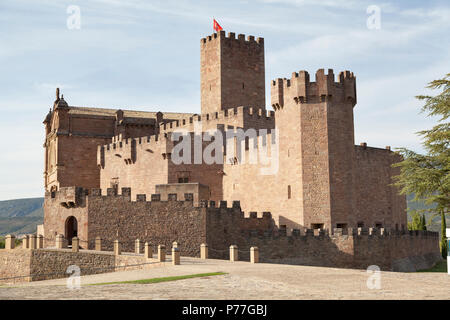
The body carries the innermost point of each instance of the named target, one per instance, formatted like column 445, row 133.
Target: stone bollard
column 75, row 244
column 32, row 243
column 40, row 242
column 161, row 253
column 204, row 251
column 98, row 243
column 254, row 255
column 117, row 250
column 59, row 241
column 137, row 246
column 175, row 256
column 10, row 242
column 148, row 251
column 233, row 253
column 25, row 242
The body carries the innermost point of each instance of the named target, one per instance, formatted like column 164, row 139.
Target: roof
column 126, row 113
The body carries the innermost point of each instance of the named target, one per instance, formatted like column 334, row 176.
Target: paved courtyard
column 242, row 281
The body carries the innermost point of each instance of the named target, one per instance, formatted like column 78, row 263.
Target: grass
column 439, row 267
column 163, row 279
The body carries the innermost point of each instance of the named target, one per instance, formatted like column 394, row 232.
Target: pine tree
column 418, row 221
column 424, row 222
column 427, row 175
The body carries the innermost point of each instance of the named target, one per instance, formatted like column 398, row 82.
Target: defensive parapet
column 231, row 39
column 300, row 89
column 251, row 147
column 68, row 197
column 239, row 116
column 127, row 148
column 78, row 195
column 115, row 215
column 391, row 250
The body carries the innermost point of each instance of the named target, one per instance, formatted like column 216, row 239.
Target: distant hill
column 435, row 222
column 21, row 216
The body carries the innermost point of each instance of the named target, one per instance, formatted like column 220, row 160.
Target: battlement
column 70, row 197
column 126, row 148
column 118, row 142
column 301, row 89
column 357, row 233
column 251, row 150
column 226, row 115
column 231, row 39
column 363, row 147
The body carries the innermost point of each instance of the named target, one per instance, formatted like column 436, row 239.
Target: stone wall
column 74, row 133
column 181, row 190
column 395, row 251
column 44, row 264
column 59, row 206
column 126, row 163
column 232, row 72
column 156, row 222
column 376, row 200
column 221, row 224
column 14, row 263
column 117, row 217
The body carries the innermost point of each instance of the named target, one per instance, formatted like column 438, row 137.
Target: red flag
column 217, row 26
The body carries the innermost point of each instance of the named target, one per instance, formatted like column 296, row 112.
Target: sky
column 145, row 55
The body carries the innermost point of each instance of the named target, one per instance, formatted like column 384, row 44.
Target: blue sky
column 145, row 55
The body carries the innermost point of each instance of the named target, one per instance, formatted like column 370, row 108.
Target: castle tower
column 315, row 123
column 232, row 72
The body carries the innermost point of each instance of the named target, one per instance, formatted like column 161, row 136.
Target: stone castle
column 103, row 165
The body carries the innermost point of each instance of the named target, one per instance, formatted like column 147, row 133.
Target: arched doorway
column 71, row 229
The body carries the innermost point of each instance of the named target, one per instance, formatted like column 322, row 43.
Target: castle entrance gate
column 71, row 229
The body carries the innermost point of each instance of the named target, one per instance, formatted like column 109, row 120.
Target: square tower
column 232, row 72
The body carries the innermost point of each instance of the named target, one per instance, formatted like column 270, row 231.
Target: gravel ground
column 242, row 281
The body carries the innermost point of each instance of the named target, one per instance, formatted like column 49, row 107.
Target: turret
column 232, row 72
column 300, row 89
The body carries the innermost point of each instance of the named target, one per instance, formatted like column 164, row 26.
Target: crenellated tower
column 315, row 123
column 232, row 72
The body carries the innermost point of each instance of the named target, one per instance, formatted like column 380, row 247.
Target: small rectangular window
column 316, row 225
column 341, row 225
column 289, row 192
column 360, row 224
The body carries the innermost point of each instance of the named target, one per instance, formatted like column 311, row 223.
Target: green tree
column 418, row 221
column 424, row 223
column 427, row 175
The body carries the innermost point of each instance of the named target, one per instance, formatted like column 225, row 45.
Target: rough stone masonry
column 102, row 165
